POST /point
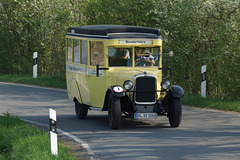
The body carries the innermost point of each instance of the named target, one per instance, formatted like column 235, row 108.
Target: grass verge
column 22, row 141
column 46, row 81
column 214, row 103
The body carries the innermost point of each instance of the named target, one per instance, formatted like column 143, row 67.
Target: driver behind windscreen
column 143, row 58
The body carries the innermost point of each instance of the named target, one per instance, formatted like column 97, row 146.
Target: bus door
column 83, row 82
column 96, row 78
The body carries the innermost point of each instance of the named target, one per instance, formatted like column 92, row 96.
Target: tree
column 199, row 32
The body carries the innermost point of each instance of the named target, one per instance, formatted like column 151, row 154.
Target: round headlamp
column 128, row 85
column 165, row 84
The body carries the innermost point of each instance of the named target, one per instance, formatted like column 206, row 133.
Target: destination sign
column 135, row 42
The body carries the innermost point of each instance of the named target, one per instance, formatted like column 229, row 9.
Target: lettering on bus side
column 83, row 70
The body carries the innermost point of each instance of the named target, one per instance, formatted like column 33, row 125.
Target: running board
column 95, row 108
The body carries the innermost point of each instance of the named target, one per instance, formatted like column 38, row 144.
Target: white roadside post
column 53, row 131
column 35, row 65
column 203, row 83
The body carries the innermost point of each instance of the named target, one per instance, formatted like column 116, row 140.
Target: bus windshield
column 144, row 56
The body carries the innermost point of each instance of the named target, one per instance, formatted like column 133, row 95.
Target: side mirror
column 170, row 54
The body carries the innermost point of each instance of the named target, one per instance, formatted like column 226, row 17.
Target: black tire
column 81, row 110
column 174, row 112
column 114, row 112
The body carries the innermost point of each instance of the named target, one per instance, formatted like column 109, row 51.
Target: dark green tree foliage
column 203, row 32
column 197, row 31
column 29, row 26
column 122, row 12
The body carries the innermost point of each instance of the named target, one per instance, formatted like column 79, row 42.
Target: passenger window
column 76, row 50
column 156, row 53
column 69, row 42
column 84, row 49
column 96, row 53
column 119, row 56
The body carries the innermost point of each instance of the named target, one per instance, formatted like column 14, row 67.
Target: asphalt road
column 203, row 134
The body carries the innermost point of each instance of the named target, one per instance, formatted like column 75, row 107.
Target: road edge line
column 74, row 138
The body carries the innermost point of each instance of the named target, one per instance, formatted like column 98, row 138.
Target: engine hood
column 120, row 76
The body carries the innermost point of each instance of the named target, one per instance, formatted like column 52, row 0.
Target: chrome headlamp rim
column 165, row 84
column 128, row 85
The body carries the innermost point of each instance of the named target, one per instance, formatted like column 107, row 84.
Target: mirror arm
column 170, row 69
column 100, row 69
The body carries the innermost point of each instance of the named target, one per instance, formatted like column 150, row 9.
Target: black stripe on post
column 34, row 61
column 203, row 76
column 53, row 125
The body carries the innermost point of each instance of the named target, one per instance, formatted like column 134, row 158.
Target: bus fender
column 117, row 91
column 177, row 91
column 76, row 91
column 112, row 90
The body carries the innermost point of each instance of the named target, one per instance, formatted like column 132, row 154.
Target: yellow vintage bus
column 118, row 68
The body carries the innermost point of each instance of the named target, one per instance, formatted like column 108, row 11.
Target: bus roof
column 114, row 32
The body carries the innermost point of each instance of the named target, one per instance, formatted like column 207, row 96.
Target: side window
column 96, row 53
column 156, row 53
column 76, row 49
column 84, row 49
column 69, row 50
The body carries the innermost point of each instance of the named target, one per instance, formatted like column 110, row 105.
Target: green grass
column 20, row 141
column 46, row 81
column 214, row 103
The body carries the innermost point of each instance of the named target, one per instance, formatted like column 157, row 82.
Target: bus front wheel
column 114, row 112
column 175, row 112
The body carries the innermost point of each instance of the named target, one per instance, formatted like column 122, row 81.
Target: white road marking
column 74, row 138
